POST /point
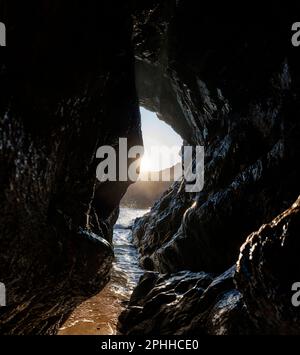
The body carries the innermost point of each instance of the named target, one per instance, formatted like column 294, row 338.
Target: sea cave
column 220, row 261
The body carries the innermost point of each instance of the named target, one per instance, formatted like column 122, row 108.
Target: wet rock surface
column 238, row 97
column 267, row 268
column 253, row 297
column 185, row 303
column 60, row 78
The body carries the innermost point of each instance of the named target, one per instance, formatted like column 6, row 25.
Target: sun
column 146, row 164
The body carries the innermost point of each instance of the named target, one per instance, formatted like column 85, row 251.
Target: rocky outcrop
column 267, row 268
column 185, row 303
column 230, row 84
column 66, row 88
column 253, row 297
column 161, row 222
column 238, row 96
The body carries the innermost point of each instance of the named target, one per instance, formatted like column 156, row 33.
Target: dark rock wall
column 253, row 297
column 186, row 303
column 228, row 79
column 267, row 268
column 66, row 88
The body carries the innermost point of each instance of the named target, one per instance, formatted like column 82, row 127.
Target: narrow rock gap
column 99, row 314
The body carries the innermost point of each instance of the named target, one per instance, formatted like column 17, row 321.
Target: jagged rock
column 267, row 268
column 163, row 219
column 185, row 303
column 239, row 97
column 255, row 297
column 66, row 88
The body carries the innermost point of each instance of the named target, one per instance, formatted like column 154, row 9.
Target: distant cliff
column 144, row 193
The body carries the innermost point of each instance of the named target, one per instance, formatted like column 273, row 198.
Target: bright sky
column 158, row 134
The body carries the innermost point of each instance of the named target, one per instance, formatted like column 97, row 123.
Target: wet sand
column 99, row 315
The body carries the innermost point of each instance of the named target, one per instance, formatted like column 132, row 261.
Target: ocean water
column 99, row 315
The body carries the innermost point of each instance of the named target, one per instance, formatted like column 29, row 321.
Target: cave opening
column 162, row 147
column 156, row 133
